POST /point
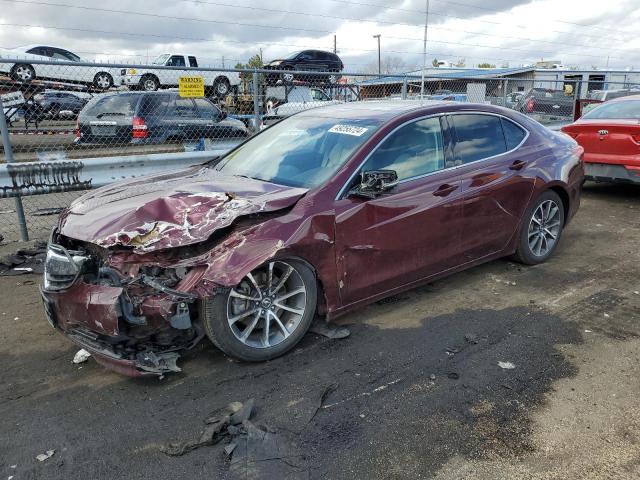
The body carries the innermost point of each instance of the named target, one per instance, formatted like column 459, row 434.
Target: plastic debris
column 506, row 365
column 322, row 327
column 587, row 331
column 432, row 377
column 44, row 456
column 81, row 356
column 453, row 375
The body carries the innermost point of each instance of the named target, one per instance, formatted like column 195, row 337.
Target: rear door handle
column 444, row 190
column 517, row 165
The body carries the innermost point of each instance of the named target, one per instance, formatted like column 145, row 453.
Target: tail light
column 531, row 103
column 140, row 129
column 77, row 129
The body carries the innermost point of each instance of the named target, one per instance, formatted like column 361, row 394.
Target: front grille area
column 62, row 267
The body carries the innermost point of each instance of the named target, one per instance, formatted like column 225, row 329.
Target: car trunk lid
column 611, row 137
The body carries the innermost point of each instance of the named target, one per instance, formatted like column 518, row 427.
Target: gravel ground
column 415, row 392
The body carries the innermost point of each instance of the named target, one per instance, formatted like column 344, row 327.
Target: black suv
column 53, row 102
column 152, row 117
column 306, row 60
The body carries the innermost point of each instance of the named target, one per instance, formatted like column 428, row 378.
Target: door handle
column 517, row 165
column 444, row 190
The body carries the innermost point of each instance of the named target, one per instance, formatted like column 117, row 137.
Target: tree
column 434, row 62
column 389, row 65
column 254, row 62
column 486, row 65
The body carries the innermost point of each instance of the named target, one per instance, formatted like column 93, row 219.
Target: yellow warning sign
column 190, row 87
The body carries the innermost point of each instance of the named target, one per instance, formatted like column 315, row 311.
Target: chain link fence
column 82, row 111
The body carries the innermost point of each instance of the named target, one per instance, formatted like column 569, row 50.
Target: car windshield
column 629, row 109
column 123, row 104
column 161, row 59
column 299, row 151
column 293, row 55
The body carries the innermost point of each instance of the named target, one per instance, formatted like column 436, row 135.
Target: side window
column 184, row 107
column 176, row 61
column 305, row 56
column 36, row 51
column 154, row 105
column 477, row 136
column 413, row 150
column 207, row 109
column 513, row 134
column 193, row 62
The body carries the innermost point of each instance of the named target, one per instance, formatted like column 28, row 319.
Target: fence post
column 576, row 95
column 8, row 155
column 504, row 92
column 404, row 88
column 256, row 102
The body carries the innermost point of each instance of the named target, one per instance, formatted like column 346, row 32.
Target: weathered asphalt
column 414, row 391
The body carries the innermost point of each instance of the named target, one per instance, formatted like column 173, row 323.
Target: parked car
column 25, row 70
column 152, row 117
column 302, row 98
column 610, row 136
column 53, row 102
column 547, row 102
column 513, row 98
column 306, row 60
column 318, row 214
column 150, row 79
column 449, row 97
column 605, row 95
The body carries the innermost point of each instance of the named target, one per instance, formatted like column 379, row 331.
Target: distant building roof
column 448, row 73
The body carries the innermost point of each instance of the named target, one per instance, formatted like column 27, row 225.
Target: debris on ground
column 81, row 356
column 506, row 365
column 25, row 260
column 44, row 456
column 453, row 375
column 254, row 451
column 324, row 328
column 41, row 212
column 432, row 377
column 471, row 338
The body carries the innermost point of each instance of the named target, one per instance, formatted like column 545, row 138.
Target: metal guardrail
column 38, row 178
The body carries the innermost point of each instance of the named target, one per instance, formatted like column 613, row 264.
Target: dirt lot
column 417, row 390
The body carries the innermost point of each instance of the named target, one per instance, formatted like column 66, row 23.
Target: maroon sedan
column 326, row 211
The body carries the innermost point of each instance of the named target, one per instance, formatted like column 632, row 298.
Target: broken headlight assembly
column 62, row 267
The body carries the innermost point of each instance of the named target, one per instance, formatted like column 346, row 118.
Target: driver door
column 409, row 232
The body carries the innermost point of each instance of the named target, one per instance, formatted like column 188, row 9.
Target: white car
column 300, row 98
column 25, row 71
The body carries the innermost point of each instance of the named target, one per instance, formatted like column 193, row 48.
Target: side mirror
column 373, row 183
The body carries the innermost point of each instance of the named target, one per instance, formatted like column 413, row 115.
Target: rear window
column 629, row 109
column 513, row 134
column 122, row 104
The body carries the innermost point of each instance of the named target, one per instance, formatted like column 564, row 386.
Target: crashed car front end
column 126, row 274
column 134, row 323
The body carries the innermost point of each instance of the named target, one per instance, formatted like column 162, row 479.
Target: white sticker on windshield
column 293, row 133
column 348, row 130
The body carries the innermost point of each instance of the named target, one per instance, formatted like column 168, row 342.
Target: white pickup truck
column 218, row 84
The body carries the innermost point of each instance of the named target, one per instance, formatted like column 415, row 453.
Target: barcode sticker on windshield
column 348, row 130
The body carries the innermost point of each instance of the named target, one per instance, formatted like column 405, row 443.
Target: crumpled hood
column 170, row 209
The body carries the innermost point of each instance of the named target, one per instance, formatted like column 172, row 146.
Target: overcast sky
column 500, row 32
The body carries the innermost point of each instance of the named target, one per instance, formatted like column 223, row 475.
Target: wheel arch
column 563, row 193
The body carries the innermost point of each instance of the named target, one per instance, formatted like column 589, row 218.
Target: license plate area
column 103, row 130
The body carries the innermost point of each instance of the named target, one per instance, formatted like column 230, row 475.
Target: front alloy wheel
column 266, row 314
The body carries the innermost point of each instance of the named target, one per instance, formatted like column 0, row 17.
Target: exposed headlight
column 62, row 267
column 276, row 63
column 132, row 71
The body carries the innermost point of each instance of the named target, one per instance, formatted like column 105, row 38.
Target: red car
column 610, row 136
column 325, row 211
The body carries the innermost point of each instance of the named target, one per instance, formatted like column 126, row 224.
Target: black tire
column 22, row 72
column 149, row 83
column 525, row 251
column 221, row 87
column 217, row 327
column 103, row 81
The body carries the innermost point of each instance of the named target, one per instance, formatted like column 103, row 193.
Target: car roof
column 383, row 109
column 624, row 99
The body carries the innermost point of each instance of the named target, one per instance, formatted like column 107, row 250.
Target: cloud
column 495, row 31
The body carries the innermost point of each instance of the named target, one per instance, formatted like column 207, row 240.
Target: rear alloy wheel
column 23, row 73
column 149, row 83
column 266, row 314
column 103, row 81
column 541, row 229
column 221, row 87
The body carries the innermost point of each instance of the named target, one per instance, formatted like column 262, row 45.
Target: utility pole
column 424, row 50
column 260, row 54
column 335, row 44
column 379, row 64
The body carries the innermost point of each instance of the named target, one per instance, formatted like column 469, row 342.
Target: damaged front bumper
column 133, row 325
